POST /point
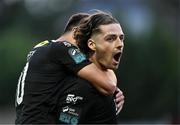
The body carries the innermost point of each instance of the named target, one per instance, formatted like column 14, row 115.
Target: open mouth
column 117, row 56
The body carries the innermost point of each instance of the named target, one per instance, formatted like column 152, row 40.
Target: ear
column 74, row 30
column 91, row 44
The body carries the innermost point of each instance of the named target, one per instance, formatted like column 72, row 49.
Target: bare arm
column 104, row 81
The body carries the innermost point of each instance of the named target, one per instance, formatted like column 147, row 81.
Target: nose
column 120, row 45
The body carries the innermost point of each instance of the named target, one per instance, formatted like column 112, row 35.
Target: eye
column 111, row 38
column 121, row 37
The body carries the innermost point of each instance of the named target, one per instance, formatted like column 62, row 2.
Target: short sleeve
column 68, row 55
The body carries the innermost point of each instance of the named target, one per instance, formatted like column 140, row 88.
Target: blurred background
column 149, row 73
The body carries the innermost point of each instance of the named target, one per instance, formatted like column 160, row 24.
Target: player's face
column 109, row 46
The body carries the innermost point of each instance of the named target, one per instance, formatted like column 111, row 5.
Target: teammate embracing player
column 43, row 79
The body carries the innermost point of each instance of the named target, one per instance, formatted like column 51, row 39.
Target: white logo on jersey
column 67, row 44
column 65, row 109
column 71, row 98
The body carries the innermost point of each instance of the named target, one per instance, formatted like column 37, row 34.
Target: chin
column 115, row 67
column 112, row 67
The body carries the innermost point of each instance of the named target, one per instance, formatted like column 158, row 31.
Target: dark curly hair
column 90, row 26
column 74, row 20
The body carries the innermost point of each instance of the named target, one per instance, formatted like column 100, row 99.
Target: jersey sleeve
column 68, row 55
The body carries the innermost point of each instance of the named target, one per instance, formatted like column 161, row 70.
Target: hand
column 119, row 100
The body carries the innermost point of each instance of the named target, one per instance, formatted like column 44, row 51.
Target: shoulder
column 63, row 43
column 42, row 43
column 63, row 47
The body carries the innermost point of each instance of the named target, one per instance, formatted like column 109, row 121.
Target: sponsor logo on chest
column 71, row 98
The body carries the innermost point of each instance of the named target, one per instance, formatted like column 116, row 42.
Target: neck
column 67, row 37
column 94, row 60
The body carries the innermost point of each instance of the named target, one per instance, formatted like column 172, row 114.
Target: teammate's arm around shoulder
column 104, row 81
column 69, row 55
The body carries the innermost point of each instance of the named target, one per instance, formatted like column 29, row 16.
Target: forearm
column 103, row 81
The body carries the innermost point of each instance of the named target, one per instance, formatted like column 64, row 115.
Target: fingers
column 119, row 107
column 119, row 96
column 119, row 100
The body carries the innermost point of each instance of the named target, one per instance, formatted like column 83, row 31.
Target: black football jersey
column 83, row 104
column 38, row 89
